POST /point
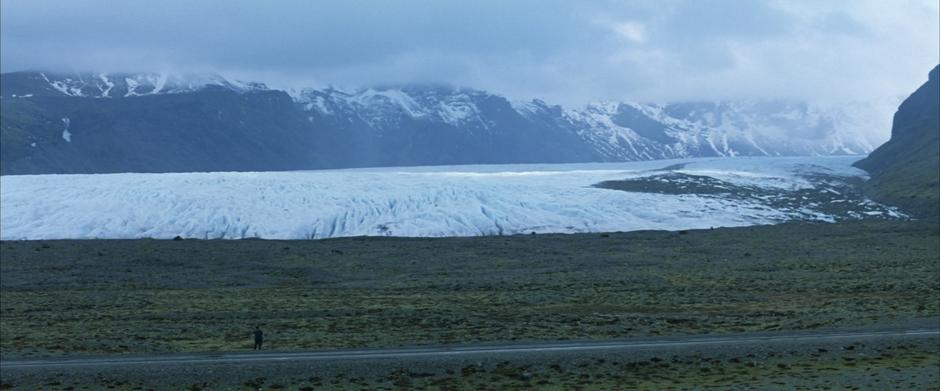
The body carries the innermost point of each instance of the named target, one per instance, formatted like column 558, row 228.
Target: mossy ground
column 880, row 365
column 895, row 367
column 149, row 296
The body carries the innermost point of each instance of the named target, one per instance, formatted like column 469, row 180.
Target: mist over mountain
column 147, row 122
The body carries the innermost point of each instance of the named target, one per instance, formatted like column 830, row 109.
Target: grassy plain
column 150, row 296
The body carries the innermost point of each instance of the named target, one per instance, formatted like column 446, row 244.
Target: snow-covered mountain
column 384, row 108
column 620, row 131
column 238, row 125
column 632, row 131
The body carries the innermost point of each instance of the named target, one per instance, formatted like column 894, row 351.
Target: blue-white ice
column 411, row 201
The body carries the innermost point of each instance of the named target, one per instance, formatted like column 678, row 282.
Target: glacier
column 398, row 201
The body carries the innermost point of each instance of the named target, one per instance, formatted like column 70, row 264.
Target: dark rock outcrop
column 905, row 171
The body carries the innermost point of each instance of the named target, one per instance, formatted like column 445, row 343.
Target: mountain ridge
column 905, row 171
column 204, row 122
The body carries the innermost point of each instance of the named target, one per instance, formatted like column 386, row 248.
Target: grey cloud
column 563, row 51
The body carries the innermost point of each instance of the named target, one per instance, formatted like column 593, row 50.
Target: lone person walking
column 259, row 338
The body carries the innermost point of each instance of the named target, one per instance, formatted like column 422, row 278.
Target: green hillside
column 905, row 171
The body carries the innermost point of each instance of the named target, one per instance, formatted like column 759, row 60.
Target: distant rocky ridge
column 115, row 85
column 905, row 171
column 96, row 123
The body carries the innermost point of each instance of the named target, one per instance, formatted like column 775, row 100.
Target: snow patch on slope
column 66, row 86
column 106, row 88
column 66, row 135
column 396, row 98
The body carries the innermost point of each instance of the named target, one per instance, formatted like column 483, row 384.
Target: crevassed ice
column 410, row 201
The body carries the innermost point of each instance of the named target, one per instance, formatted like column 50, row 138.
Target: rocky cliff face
column 57, row 123
column 905, row 171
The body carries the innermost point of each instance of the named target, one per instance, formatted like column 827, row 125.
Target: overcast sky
column 566, row 52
